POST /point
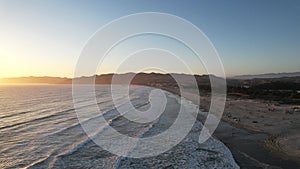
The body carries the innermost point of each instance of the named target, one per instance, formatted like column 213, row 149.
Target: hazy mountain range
column 148, row 78
column 268, row 75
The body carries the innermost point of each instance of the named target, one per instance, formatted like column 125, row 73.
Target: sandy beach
column 269, row 126
column 280, row 122
column 260, row 134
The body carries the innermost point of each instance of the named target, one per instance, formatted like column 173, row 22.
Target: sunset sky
column 45, row 37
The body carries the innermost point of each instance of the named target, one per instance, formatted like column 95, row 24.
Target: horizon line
column 66, row 77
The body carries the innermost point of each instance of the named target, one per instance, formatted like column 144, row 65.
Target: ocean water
column 39, row 128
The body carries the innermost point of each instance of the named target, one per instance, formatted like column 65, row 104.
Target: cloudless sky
column 45, row 37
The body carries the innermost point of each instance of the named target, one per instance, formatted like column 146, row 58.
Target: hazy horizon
column 142, row 72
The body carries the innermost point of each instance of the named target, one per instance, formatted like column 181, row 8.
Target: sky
column 45, row 38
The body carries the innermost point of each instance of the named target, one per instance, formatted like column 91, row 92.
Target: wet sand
column 256, row 136
column 248, row 148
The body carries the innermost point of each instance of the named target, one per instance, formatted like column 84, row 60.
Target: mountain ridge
column 267, row 75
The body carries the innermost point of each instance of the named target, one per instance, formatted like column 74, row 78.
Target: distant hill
column 283, row 87
column 157, row 79
column 32, row 79
column 268, row 75
column 150, row 79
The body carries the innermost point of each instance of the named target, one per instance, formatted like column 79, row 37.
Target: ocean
column 39, row 128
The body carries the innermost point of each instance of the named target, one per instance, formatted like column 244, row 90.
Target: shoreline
column 186, row 154
column 250, row 147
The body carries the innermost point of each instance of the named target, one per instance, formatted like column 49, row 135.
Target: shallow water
column 39, row 128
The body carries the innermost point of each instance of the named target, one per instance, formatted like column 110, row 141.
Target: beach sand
column 267, row 126
column 280, row 122
column 260, row 134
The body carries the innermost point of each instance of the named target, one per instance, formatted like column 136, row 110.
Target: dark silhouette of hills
column 139, row 79
column 40, row 80
column 282, row 89
column 268, row 75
